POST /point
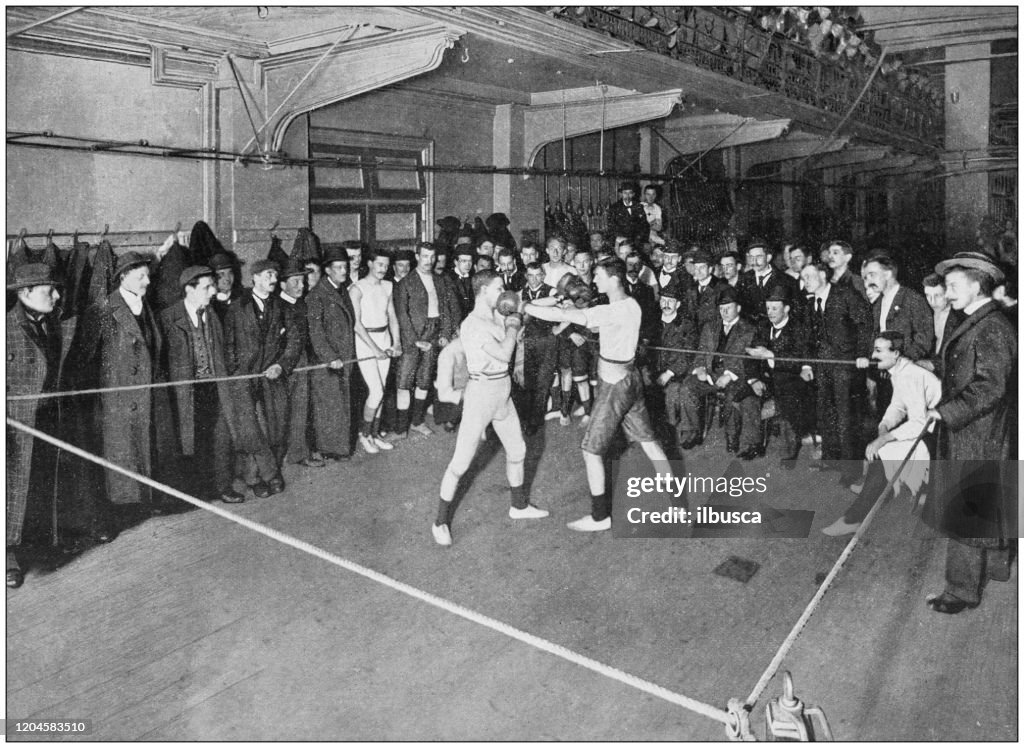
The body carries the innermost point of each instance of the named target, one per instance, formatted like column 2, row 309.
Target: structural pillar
column 967, row 125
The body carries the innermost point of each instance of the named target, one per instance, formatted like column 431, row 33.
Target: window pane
column 405, row 179
column 350, row 177
column 395, row 226
column 333, row 228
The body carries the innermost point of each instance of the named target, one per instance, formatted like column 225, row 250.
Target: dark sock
column 587, row 404
column 419, row 411
column 599, row 506
column 367, row 428
column 566, row 402
column 443, row 509
column 520, row 499
column 402, row 421
column 375, row 427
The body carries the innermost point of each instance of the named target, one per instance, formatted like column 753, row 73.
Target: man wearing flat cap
column 34, row 347
column 118, row 343
column 194, row 350
column 975, row 484
column 735, row 380
column 254, row 343
column 626, row 216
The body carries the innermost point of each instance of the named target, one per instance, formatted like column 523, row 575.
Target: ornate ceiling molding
column 356, row 67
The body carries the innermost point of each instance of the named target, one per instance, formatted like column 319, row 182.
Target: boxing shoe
column 442, row 535
column 564, row 420
column 527, row 512
column 368, row 444
column 382, row 444
column 589, row 524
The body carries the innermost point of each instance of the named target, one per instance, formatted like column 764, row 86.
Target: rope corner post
column 738, row 729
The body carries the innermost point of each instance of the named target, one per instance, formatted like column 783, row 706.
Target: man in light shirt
column 915, row 390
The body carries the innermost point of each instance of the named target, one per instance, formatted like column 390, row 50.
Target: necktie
column 775, row 333
column 760, row 282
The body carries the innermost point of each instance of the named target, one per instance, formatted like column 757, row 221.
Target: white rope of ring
column 438, row 602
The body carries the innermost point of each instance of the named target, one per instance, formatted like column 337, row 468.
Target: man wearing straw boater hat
column 976, row 476
column 33, row 367
column 195, row 351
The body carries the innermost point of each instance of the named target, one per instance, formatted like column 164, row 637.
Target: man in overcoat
column 202, row 411
column 976, row 481
column 33, row 367
column 119, row 343
column 332, row 342
column 254, row 339
column 734, row 379
column 291, row 394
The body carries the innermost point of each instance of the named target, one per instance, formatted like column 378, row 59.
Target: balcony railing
column 725, row 42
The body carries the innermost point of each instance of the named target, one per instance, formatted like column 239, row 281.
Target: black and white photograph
column 510, row 373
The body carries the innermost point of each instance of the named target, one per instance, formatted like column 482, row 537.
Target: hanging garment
column 166, row 288
column 277, row 253
column 102, row 281
column 77, row 280
column 306, row 246
column 203, row 244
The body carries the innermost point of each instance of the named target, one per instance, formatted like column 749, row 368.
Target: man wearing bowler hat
column 781, row 335
column 294, row 395
column 195, row 351
column 254, row 335
column 332, row 342
column 626, row 216
column 736, row 380
column 976, row 475
column 34, row 347
column 225, row 269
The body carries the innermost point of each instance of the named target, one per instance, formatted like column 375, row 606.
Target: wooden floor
column 189, row 627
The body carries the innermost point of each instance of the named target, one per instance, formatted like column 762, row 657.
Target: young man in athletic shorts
column 376, row 328
column 489, row 345
column 620, row 387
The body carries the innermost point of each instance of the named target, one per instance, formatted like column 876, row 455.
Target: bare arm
column 556, row 314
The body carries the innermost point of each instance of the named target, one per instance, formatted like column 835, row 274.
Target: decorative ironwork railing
column 726, row 42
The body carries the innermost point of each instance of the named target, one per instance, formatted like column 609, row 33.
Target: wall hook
column 465, row 52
